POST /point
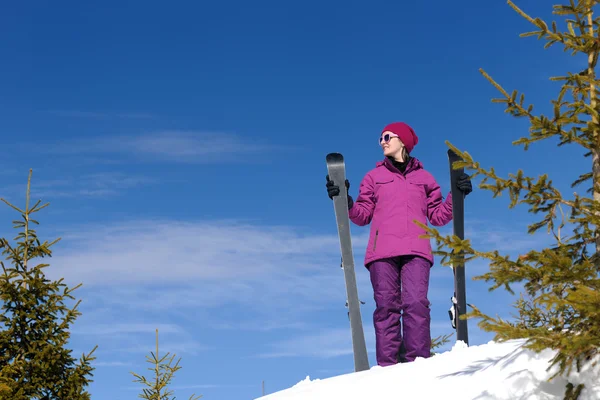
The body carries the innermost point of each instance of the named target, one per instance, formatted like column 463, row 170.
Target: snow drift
column 490, row 371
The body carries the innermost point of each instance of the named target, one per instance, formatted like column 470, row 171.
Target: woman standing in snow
column 391, row 196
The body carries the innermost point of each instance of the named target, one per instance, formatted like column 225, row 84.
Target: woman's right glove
column 334, row 190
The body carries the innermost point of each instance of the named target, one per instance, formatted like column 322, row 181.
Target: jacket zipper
column 375, row 241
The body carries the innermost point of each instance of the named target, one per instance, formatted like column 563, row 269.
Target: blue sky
column 182, row 148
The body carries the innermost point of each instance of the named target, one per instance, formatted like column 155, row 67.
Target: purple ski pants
column 400, row 287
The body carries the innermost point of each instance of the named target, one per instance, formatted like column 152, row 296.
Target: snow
column 494, row 370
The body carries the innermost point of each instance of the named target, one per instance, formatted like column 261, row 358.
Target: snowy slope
column 489, row 371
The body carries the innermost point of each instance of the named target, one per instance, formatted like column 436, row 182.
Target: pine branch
column 542, row 127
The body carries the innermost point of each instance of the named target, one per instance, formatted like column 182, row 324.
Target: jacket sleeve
column 439, row 211
column 361, row 212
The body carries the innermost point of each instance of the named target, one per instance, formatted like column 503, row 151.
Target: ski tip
column 334, row 157
column 452, row 155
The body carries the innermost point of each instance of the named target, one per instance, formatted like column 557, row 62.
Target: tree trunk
column 593, row 104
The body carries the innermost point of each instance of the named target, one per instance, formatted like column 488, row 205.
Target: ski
column 459, row 300
column 337, row 173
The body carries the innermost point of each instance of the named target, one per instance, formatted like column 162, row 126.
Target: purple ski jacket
column 390, row 201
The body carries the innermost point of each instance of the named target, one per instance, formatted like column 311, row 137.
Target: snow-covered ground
column 489, row 371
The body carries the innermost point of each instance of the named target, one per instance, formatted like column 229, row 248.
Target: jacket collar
column 413, row 165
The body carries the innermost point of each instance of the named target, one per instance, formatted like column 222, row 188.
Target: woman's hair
column 404, row 153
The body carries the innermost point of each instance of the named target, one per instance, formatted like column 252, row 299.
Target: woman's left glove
column 464, row 184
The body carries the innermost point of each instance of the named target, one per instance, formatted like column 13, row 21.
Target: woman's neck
column 401, row 165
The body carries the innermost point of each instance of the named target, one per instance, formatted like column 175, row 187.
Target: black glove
column 464, row 184
column 334, row 190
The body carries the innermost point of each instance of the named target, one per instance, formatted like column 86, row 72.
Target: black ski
column 459, row 306
column 337, row 173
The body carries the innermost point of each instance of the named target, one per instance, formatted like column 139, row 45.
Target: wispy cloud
column 112, row 364
column 327, row 343
column 177, row 252
column 186, row 269
column 260, row 326
column 174, row 146
column 136, row 336
column 504, row 236
column 100, row 114
column 487, row 236
column 99, row 184
column 126, row 328
column 177, row 347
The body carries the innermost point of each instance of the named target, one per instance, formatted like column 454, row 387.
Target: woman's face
column 391, row 144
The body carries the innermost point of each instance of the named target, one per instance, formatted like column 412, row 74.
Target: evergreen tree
column 34, row 360
column 157, row 389
column 560, row 308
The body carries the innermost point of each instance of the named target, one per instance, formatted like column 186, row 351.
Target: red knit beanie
column 405, row 133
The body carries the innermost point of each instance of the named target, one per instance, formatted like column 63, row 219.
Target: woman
column 391, row 196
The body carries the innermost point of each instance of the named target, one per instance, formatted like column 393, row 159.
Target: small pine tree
column 439, row 342
column 163, row 374
column 560, row 308
column 34, row 362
